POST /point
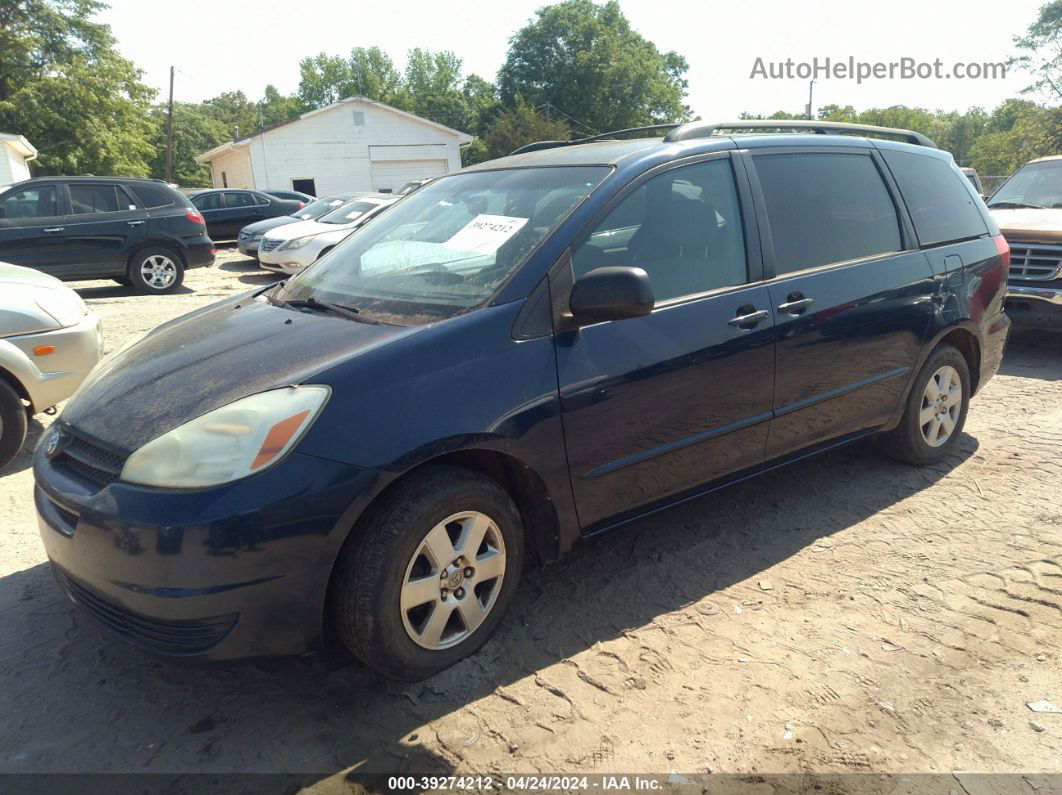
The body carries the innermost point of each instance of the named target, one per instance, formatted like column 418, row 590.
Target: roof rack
column 700, row 129
column 537, row 145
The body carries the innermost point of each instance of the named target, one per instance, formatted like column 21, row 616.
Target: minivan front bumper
column 53, row 377
column 236, row 571
column 1035, row 306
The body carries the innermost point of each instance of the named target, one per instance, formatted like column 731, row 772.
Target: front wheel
column 430, row 574
column 936, row 410
column 13, row 423
column 156, row 270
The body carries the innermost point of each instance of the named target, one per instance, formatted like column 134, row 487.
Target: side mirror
column 611, row 293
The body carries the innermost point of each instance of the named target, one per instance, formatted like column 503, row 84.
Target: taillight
column 301, row 205
column 1003, row 247
column 195, row 218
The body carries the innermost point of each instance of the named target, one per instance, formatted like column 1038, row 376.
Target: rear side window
column 260, row 199
column 37, row 202
column 682, row 226
column 207, row 201
column 826, row 208
column 940, row 204
column 89, row 199
column 239, row 200
column 152, row 196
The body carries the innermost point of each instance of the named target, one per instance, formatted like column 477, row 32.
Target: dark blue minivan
column 513, row 358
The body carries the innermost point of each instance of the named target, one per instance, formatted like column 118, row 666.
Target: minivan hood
column 208, row 359
column 1033, row 224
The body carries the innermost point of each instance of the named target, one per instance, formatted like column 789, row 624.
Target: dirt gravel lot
column 849, row 614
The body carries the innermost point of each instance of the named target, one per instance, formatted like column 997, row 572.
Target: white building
column 15, row 154
column 354, row 144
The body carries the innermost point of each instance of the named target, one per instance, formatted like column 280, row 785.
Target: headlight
column 297, row 242
column 62, row 303
column 228, row 443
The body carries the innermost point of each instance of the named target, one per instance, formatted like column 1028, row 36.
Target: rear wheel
column 430, row 574
column 13, row 423
column 936, row 410
column 156, row 270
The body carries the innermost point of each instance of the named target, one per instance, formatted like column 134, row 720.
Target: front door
column 31, row 229
column 656, row 406
column 851, row 292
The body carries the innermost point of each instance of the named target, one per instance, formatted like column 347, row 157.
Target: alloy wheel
column 158, row 271
column 941, row 404
column 453, row 580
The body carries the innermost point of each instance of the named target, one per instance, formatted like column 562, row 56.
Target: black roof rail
column 700, row 129
column 537, row 145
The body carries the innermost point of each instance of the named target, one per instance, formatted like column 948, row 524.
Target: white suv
column 49, row 341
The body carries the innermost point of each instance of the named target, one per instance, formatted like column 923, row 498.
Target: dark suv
column 512, row 359
column 137, row 231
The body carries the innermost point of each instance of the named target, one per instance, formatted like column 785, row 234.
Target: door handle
column 750, row 318
column 51, row 230
column 795, row 306
column 134, row 223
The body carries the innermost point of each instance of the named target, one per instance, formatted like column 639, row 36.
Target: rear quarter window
column 151, row 196
column 937, row 198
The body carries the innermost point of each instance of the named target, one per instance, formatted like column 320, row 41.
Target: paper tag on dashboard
column 485, row 234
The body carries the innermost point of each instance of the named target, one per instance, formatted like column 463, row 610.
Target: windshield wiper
column 349, row 312
column 1017, row 206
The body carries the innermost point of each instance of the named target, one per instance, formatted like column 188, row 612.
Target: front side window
column 239, row 200
column 446, row 248
column 36, row 202
column 207, row 201
column 940, row 204
column 1033, row 185
column 825, row 208
column 89, row 199
column 683, row 227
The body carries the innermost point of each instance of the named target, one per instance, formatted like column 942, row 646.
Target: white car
column 49, row 341
column 292, row 247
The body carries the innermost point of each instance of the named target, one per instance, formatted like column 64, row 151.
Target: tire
column 14, row 421
column 166, row 266
column 923, row 443
column 412, row 640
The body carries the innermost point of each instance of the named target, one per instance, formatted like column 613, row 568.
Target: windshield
column 348, row 212
column 446, row 248
column 1033, row 185
column 316, row 209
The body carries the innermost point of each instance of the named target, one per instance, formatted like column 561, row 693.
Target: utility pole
column 169, row 133
column 811, row 90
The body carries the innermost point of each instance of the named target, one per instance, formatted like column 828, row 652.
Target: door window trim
column 908, row 241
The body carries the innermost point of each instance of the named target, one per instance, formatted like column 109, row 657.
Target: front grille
column 1039, row 263
column 154, row 634
column 88, row 459
column 268, row 245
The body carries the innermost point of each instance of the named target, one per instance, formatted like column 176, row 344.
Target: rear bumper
column 199, row 252
column 993, row 344
column 1034, row 306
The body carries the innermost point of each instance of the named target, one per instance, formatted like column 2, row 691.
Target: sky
column 229, row 45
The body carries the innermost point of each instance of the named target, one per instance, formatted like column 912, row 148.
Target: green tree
column 65, row 87
column 236, row 112
column 324, row 79
column 585, row 61
column 1041, row 48
column 513, row 128
column 374, row 76
column 195, row 130
column 277, row 107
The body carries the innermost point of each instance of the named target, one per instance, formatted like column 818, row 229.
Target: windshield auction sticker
column 485, row 234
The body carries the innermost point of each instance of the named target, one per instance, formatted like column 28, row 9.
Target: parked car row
column 508, row 361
